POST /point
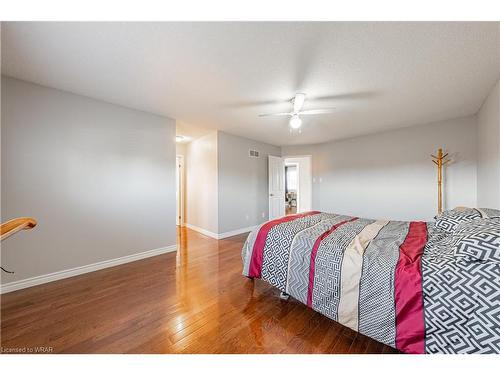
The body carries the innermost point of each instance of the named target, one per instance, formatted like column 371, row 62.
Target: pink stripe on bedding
column 255, row 268
column 314, row 251
column 410, row 329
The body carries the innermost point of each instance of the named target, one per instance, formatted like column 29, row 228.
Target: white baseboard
column 220, row 236
column 236, row 232
column 202, row 231
column 42, row 279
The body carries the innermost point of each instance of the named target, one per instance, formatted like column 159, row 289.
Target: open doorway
column 298, row 184
column 291, row 187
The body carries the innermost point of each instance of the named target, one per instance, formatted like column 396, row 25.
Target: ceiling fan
column 298, row 103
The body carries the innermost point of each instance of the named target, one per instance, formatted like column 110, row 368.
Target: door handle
column 271, row 195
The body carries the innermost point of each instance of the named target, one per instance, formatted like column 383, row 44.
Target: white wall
column 488, row 156
column 390, row 174
column 181, row 149
column 242, row 182
column 201, row 183
column 99, row 178
column 305, row 181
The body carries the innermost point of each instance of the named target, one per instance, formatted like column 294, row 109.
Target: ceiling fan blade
column 276, row 114
column 298, row 102
column 317, row 111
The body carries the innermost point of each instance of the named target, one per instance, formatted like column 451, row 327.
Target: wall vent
column 253, row 153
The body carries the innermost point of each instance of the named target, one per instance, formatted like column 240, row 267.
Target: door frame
column 310, row 179
column 296, row 165
column 180, row 203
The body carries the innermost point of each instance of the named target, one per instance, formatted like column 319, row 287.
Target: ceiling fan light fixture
column 298, row 102
column 295, row 122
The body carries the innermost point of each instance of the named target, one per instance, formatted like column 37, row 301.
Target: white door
column 276, row 187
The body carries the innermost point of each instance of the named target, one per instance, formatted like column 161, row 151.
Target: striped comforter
column 394, row 281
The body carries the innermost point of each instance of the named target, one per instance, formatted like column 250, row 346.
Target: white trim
column 42, row 279
column 220, row 236
column 237, row 231
column 180, row 200
column 202, row 231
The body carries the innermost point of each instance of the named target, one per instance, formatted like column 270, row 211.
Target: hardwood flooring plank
column 191, row 301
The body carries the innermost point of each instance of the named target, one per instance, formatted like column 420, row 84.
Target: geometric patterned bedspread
column 396, row 282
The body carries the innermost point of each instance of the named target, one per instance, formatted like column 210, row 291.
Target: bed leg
column 284, row 296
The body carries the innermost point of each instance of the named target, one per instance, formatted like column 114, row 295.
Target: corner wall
column 98, row 177
column 201, row 184
column 488, row 155
column 242, row 182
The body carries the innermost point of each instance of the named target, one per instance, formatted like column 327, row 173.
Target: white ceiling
column 221, row 75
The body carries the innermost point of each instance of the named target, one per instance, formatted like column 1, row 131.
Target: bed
column 420, row 287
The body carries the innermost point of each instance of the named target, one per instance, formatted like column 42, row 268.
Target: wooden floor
column 193, row 301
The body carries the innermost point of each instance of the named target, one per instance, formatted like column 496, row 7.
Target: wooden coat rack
column 14, row 226
column 440, row 160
